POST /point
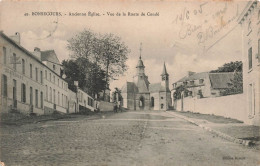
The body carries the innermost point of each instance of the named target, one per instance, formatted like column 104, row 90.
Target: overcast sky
column 188, row 36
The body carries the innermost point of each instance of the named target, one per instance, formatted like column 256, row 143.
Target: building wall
column 22, row 75
column 56, row 92
column 85, row 100
column 72, row 102
column 156, row 97
column 251, row 75
column 220, row 106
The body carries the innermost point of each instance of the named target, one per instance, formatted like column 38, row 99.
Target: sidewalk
column 229, row 129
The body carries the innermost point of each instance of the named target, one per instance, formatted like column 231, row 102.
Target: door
column 141, row 103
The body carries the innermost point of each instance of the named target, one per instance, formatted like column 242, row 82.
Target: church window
column 152, row 101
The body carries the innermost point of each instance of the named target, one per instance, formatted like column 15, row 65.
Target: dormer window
column 201, row 81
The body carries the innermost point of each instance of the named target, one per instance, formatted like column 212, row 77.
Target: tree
column 106, row 51
column 230, row 67
column 91, row 77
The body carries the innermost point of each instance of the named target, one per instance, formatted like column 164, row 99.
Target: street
column 129, row 138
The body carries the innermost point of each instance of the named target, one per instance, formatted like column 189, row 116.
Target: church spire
column 164, row 72
column 140, row 51
column 140, row 63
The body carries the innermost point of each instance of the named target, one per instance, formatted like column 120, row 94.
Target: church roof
column 128, row 87
column 157, row 87
column 164, row 72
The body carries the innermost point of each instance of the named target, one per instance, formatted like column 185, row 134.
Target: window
column 41, row 99
column 46, row 74
column 259, row 48
column 14, row 61
column 36, row 74
column 201, row 81
column 50, row 77
column 23, row 66
column 54, row 67
column 46, row 91
column 54, row 97
column 4, row 85
column 250, row 58
column 161, row 106
column 58, row 82
column 192, row 82
column 31, row 96
column 54, row 79
column 152, row 102
column 4, row 52
column 23, row 93
column 66, row 101
column 185, row 83
column 36, row 97
column 58, row 98
column 61, row 99
column 41, row 77
column 50, row 94
column 85, row 103
column 30, row 70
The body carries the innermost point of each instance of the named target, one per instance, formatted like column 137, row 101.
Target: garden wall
column 233, row 106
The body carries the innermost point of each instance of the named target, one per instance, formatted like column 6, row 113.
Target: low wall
column 106, row 106
column 233, row 106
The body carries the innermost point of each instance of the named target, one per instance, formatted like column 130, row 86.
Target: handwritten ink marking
column 186, row 14
column 188, row 30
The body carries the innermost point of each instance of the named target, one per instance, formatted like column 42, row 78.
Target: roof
column 195, row 76
column 164, row 72
column 140, row 63
column 246, row 9
column 49, row 55
column 221, row 80
column 128, row 87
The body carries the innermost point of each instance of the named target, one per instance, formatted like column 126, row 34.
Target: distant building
column 141, row 95
column 250, row 22
column 205, row 84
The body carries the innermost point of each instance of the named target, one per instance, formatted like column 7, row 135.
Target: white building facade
column 250, row 22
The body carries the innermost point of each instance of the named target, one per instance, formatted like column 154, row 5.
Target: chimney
column 16, row 37
column 190, row 73
column 37, row 53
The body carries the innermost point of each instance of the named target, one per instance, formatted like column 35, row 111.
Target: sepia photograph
column 130, row 83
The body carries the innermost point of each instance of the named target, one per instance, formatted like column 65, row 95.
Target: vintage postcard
column 138, row 83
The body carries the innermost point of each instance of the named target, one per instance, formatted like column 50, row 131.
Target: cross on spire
column 140, row 50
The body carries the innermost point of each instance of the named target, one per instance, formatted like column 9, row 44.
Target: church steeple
column 165, row 78
column 140, row 63
column 164, row 72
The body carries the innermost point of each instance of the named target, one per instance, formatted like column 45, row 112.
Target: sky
column 193, row 36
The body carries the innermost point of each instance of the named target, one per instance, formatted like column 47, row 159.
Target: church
column 141, row 95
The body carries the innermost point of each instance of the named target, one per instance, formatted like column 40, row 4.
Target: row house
column 250, row 23
column 205, row 84
column 56, row 88
column 21, row 77
column 33, row 82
